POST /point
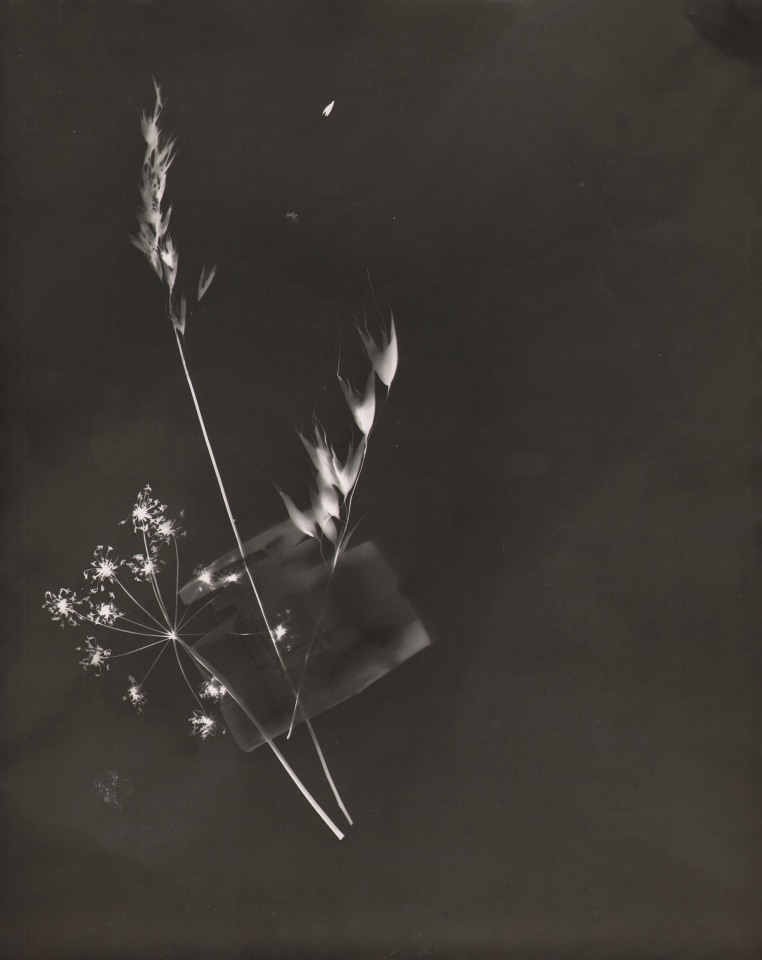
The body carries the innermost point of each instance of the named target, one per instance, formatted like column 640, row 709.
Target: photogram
column 291, row 621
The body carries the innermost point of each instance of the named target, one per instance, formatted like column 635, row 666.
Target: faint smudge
column 111, row 787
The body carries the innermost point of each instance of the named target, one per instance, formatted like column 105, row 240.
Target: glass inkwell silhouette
column 336, row 632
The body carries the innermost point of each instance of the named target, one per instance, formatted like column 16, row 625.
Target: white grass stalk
column 64, row 608
column 155, row 243
column 331, row 475
column 242, row 552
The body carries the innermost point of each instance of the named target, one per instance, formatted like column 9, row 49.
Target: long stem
column 218, row 477
column 203, row 662
column 177, row 579
column 327, row 773
column 242, row 551
column 310, row 645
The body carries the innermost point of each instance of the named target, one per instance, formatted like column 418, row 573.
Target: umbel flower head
column 156, row 622
column 104, row 568
column 203, row 724
column 96, row 657
column 166, row 530
column 212, row 690
column 105, row 612
column 62, row 606
column 149, row 517
column 147, row 512
column 143, row 566
column 135, row 694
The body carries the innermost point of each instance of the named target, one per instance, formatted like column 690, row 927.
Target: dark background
column 561, row 202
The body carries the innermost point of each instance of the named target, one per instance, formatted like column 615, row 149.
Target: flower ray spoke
column 111, row 626
column 147, row 646
column 156, row 660
column 189, row 617
column 138, row 604
column 155, row 587
column 185, row 675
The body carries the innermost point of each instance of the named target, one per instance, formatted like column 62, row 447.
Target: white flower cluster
column 97, row 605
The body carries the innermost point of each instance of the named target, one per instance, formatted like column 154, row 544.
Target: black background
column 561, row 203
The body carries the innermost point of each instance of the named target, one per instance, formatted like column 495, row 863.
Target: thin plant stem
column 242, row 552
column 137, row 603
column 127, row 653
column 373, row 295
column 156, row 245
column 156, row 660
column 192, row 616
column 220, row 484
column 177, row 579
column 110, row 626
column 185, row 675
column 337, row 552
column 327, row 773
column 310, row 645
column 156, row 590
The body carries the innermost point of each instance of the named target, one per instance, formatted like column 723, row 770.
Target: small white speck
column 327, row 111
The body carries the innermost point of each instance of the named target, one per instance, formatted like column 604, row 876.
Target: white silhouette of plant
column 154, row 617
column 152, row 613
column 334, row 478
column 154, row 241
column 147, row 617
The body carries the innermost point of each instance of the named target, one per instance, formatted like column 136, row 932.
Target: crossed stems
column 154, row 241
column 268, row 627
column 165, row 629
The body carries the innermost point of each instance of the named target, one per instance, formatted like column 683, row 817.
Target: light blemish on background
column 109, row 787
